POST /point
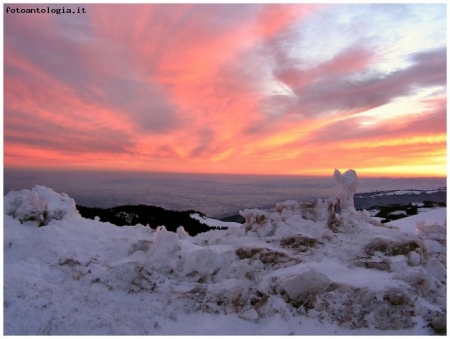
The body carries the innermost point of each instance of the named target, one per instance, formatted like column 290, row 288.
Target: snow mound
column 303, row 268
column 41, row 204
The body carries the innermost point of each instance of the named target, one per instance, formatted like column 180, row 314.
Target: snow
column 41, row 204
column 434, row 216
column 303, row 284
column 214, row 222
column 410, row 191
column 291, row 271
column 348, row 183
column 398, row 213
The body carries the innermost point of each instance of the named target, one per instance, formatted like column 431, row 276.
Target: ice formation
column 348, row 183
column 302, row 269
column 41, row 204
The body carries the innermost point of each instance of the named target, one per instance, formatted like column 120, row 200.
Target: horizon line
column 312, row 175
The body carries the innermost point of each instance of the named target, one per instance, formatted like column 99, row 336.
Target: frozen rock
column 141, row 245
column 263, row 287
column 433, row 246
column 439, row 324
column 286, row 209
column 392, row 318
column 265, row 230
column 435, row 268
column 332, row 220
column 309, row 211
column 305, row 283
column 182, row 233
column 327, row 235
column 253, row 216
column 423, row 228
column 205, row 261
column 258, row 221
column 347, row 188
column 165, row 244
column 418, row 279
column 290, row 205
column 414, row 259
column 229, row 292
column 250, row 314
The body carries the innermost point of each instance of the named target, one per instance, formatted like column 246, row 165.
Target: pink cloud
column 192, row 83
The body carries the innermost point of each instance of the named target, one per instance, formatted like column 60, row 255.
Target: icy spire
column 347, row 188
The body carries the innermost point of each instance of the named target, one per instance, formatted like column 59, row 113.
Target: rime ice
column 347, row 188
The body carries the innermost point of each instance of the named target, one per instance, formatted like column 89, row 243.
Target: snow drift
column 303, row 269
column 41, row 204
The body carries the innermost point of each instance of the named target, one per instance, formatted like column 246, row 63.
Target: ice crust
column 285, row 272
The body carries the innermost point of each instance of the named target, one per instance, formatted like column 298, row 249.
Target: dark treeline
column 130, row 215
column 388, row 212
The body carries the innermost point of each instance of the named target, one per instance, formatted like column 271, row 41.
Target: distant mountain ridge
column 364, row 201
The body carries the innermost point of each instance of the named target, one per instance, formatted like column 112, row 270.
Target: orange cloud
column 210, row 88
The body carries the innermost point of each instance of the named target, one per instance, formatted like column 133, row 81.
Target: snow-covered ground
column 214, row 222
column 429, row 217
column 280, row 273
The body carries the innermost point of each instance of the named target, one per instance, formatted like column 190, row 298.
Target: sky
column 227, row 88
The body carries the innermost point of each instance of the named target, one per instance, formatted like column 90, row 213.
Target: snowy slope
column 280, row 273
column 436, row 216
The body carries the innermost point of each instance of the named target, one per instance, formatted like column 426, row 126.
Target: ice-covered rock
column 205, row 261
column 433, row 246
column 290, row 205
column 435, row 268
column 304, row 283
column 414, row 259
column 419, row 280
column 332, row 218
column 439, row 324
column 253, row 216
column 250, row 314
column 164, row 245
column 258, row 221
column 40, row 204
column 286, row 209
column 182, row 233
column 423, row 228
column 320, row 211
column 347, row 188
column 231, row 289
column 311, row 211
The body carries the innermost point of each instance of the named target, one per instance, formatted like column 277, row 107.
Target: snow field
column 281, row 273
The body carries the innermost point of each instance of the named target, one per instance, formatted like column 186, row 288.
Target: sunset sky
column 242, row 88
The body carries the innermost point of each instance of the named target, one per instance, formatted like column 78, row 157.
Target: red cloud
column 192, row 84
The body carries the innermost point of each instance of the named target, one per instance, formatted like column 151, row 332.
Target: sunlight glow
column 228, row 88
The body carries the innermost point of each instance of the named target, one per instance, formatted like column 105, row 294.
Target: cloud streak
column 223, row 88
